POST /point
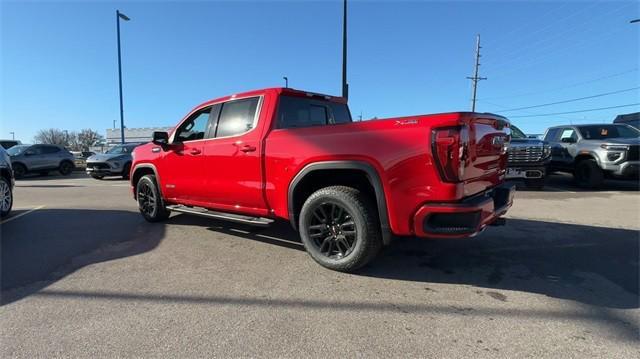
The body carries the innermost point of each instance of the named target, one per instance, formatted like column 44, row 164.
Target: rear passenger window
column 340, row 113
column 49, row 149
column 237, row 117
column 296, row 112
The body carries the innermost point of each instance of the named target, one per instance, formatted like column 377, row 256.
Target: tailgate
column 486, row 152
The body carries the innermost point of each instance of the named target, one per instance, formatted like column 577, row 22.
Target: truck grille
column 634, row 153
column 525, row 154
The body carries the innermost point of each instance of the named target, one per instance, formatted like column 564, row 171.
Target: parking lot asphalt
column 83, row 275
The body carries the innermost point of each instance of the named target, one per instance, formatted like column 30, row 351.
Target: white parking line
column 21, row 214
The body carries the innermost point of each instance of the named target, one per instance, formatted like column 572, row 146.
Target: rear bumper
column 466, row 218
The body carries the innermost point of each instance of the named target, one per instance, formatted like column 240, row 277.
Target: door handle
column 195, row 151
column 247, row 148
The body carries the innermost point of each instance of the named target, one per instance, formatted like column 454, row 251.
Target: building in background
column 132, row 134
column 632, row 119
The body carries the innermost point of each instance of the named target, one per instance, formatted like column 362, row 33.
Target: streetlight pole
column 286, row 81
column 345, row 85
column 13, row 135
column 124, row 17
column 634, row 21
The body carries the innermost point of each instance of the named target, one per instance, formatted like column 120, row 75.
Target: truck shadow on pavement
column 49, row 244
column 592, row 265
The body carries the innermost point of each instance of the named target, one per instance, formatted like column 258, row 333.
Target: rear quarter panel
column 399, row 150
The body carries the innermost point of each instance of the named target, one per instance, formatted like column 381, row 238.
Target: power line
column 577, row 111
column 562, row 87
column 573, row 100
column 534, row 113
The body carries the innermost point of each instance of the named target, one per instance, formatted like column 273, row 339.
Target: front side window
column 516, row 133
column 195, row 127
column 569, row 133
column 237, row 117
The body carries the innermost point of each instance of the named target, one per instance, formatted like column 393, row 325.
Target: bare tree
column 87, row 138
column 52, row 136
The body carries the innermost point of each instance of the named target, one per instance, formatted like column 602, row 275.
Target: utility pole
column 475, row 77
column 345, row 85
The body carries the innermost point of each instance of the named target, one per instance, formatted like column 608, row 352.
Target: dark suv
column 6, row 183
column 40, row 159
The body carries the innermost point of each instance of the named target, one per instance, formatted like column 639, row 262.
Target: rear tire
column 588, row 174
column 65, row 168
column 19, row 170
column 339, row 228
column 150, row 201
column 6, row 197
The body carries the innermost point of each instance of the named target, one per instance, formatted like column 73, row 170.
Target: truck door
column 567, row 147
column 182, row 167
column 232, row 158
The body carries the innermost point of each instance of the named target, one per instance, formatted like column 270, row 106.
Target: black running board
column 232, row 217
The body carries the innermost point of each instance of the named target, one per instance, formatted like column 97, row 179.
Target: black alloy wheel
column 150, row 202
column 332, row 230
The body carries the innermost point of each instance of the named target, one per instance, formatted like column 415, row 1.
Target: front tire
column 65, row 168
column 339, row 228
column 588, row 174
column 6, row 197
column 150, row 201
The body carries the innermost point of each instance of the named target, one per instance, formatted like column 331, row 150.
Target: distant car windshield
column 16, row 150
column 601, row 132
column 121, row 149
column 516, row 133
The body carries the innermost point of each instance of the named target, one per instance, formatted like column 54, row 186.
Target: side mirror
column 568, row 140
column 160, row 138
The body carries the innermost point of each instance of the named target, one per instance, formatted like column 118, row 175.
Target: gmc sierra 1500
column 346, row 186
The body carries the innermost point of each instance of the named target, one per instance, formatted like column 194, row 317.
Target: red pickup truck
column 347, row 187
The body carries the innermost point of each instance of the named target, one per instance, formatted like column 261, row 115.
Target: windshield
column 121, row 149
column 16, row 150
column 516, row 133
column 600, row 132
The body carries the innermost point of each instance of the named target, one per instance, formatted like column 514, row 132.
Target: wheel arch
column 141, row 170
column 586, row 156
column 306, row 181
column 5, row 173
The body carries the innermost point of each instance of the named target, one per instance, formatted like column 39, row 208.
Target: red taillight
column 449, row 147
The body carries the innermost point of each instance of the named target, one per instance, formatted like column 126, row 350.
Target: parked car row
column 590, row 152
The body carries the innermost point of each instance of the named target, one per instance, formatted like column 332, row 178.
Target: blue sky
column 59, row 68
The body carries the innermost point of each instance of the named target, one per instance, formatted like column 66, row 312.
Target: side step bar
column 203, row 212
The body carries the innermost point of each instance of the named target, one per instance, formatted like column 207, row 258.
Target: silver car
column 40, row 159
column 115, row 162
column 593, row 152
column 6, row 183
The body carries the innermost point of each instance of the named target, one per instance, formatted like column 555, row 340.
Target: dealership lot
column 84, row 275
